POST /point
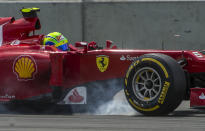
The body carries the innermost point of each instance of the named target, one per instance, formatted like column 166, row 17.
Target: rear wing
column 11, row 29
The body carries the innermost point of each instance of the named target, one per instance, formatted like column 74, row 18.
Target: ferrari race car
column 155, row 82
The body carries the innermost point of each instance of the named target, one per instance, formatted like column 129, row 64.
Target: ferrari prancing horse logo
column 102, row 62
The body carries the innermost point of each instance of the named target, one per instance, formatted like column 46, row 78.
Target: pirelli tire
column 155, row 84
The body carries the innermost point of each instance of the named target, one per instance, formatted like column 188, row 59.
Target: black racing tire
column 155, row 84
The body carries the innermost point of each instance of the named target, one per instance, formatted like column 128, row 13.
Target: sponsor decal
column 160, row 64
column 15, row 42
column 122, row 58
column 202, row 96
column 131, row 67
column 125, row 82
column 164, row 92
column 6, row 96
column 126, row 92
column 129, row 70
column 141, row 108
column 25, row 67
column 128, row 58
column 77, row 95
column 102, row 62
column 197, row 54
column 61, row 37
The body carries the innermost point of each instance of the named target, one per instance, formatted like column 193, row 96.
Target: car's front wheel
column 155, row 84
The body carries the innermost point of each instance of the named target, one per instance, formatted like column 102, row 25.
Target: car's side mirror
column 82, row 44
column 108, row 45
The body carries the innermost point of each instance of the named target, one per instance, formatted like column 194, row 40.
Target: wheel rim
column 146, row 84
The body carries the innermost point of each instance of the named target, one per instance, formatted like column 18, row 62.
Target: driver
column 56, row 39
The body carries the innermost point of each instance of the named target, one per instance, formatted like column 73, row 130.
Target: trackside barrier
column 139, row 24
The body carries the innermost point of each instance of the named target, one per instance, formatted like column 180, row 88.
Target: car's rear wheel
column 155, row 84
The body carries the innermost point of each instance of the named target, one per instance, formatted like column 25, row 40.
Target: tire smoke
column 108, row 98
column 117, row 106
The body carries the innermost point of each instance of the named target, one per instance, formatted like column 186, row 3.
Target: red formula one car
column 154, row 81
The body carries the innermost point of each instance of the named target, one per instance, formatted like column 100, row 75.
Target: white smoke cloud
column 117, row 106
column 106, row 98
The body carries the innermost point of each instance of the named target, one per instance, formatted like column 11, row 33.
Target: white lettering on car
column 128, row 58
column 197, row 54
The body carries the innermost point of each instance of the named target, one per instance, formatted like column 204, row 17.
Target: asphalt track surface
column 183, row 119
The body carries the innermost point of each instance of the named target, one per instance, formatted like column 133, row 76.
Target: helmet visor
column 63, row 47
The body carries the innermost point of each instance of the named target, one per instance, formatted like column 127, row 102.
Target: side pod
column 56, row 77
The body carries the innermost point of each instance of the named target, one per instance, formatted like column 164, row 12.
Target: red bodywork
column 29, row 69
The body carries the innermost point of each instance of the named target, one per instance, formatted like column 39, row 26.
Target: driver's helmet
column 56, row 39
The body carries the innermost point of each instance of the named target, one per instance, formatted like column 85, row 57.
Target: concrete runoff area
column 181, row 119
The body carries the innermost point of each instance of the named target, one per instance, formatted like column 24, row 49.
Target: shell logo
column 25, row 67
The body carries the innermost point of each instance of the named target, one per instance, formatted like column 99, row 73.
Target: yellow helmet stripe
column 51, row 38
column 61, row 43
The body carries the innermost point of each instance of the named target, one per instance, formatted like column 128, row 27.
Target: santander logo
column 122, row 58
column 202, row 96
column 128, row 58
